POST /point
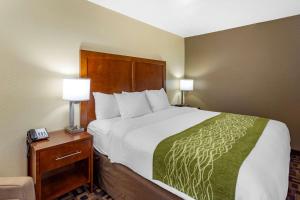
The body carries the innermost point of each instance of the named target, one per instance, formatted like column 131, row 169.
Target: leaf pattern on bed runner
column 203, row 161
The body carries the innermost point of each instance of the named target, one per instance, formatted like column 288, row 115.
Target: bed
column 124, row 148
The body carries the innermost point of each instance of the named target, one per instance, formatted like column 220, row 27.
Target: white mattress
column 100, row 130
column 262, row 176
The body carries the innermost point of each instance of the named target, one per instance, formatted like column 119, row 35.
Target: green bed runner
column 204, row 160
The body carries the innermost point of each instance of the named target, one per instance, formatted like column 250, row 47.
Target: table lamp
column 75, row 91
column 185, row 85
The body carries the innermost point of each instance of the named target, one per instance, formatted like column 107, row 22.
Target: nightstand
column 61, row 163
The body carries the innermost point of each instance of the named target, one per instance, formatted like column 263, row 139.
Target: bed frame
column 113, row 74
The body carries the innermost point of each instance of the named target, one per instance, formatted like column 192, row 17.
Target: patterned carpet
column 294, row 183
column 82, row 193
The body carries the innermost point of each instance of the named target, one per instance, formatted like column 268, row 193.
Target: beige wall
column 39, row 46
column 251, row 70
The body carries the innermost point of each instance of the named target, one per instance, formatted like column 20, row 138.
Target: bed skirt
column 120, row 182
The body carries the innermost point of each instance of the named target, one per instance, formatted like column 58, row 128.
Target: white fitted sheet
column 132, row 142
column 100, row 129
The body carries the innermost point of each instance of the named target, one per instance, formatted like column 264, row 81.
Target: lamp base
column 74, row 129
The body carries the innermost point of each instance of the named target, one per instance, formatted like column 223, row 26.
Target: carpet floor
column 82, row 193
column 294, row 179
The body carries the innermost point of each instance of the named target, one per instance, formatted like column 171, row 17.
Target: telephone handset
column 37, row 134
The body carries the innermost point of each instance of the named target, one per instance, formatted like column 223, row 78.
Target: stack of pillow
column 129, row 104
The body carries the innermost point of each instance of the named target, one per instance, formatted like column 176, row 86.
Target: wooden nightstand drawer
column 61, row 163
column 62, row 155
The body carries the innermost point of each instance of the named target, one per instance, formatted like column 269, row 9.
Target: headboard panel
column 111, row 73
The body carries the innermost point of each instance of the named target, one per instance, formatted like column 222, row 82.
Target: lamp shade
column 186, row 84
column 76, row 89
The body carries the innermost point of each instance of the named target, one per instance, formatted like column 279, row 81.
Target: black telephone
column 37, row 134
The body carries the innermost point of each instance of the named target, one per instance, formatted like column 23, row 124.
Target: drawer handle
column 66, row 156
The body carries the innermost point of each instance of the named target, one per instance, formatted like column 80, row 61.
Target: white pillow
column 158, row 99
column 106, row 106
column 132, row 104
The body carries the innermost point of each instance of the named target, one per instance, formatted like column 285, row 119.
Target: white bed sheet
column 262, row 176
column 100, row 129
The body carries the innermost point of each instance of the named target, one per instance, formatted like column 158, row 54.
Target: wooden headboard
column 111, row 73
